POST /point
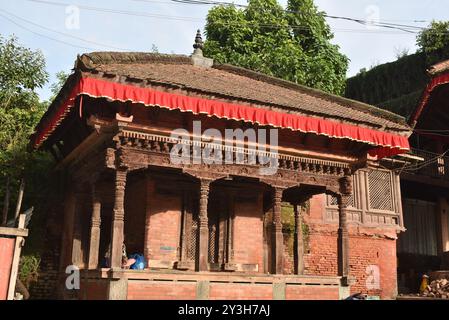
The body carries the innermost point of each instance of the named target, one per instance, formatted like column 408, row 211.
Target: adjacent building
column 420, row 93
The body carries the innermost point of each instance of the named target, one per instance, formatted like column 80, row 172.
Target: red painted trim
column 436, row 82
column 384, row 144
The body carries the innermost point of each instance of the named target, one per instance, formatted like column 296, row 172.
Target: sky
column 61, row 29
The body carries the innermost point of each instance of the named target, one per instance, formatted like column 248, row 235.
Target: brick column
column 343, row 235
column 95, row 223
column 203, row 230
column 299, row 242
column 118, row 219
column 277, row 242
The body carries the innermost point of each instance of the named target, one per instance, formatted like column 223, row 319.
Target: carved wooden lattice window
column 380, row 190
column 333, row 201
column 214, row 232
column 192, row 241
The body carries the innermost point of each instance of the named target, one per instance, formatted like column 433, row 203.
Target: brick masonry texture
column 371, row 250
column 150, row 290
column 297, row 292
column 372, row 253
column 221, row 291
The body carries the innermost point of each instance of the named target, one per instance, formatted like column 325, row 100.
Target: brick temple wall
column 372, row 261
column 248, row 234
column 211, row 290
column 164, row 227
column 150, row 290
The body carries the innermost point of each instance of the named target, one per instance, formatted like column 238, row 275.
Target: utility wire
column 180, row 18
column 43, row 35
column 401, row 27
column 62, row 33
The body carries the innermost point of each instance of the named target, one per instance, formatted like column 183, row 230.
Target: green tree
column 434, row 41
column 293, row 43
column 55, row 87
column 21, row 72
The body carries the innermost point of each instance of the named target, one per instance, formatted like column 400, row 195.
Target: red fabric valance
column 384, row 144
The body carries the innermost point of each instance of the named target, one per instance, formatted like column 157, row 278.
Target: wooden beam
column 4, row 231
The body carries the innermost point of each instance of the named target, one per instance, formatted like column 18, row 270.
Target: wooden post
column 277, row 242
column 183, row 236
column 16, row 258
column 77, row 248
column 299, row 242
column 67, row 232
column 203, row 230
column 229, row 264
column 343, row 237
column 148, row 194
column 19, row 198
column 117, row 235
column 343, row 234
column 95, row 224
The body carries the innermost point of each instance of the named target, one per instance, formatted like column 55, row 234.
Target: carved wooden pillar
column 149, row 190
column 77, row 243
column 185, row 262
column 343, row 235
column 203, row 230
column 229, row 264
column 95, row 223
column 277, row 242
column 68, row 229
column 299, row 242
column 118, row 218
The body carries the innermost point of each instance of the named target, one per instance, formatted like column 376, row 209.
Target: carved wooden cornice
column 138, row 150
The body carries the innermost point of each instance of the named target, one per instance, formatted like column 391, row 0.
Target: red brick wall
column 228, row 291
column 150, row 290
column 163, row 233
column 298, row 292
column 371, row 250
column 6, row 255
column 248, row 233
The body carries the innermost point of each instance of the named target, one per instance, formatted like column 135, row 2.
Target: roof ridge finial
column 198, row 45
column 197, row 57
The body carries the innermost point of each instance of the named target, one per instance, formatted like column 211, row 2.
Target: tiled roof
column 438, row 68
column 236, row 83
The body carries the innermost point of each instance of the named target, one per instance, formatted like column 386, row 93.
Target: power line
column 360, row 21
column 180, row 18
column 43, row 35
column 62, row 33
column 203, row 2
